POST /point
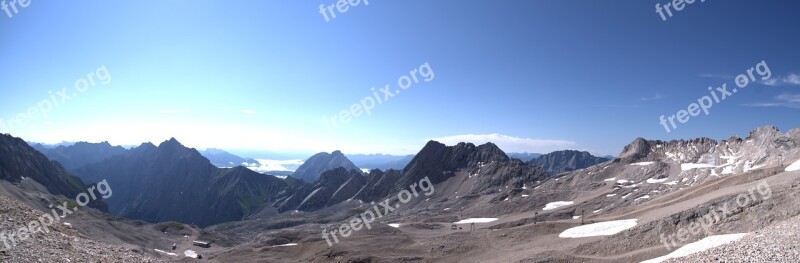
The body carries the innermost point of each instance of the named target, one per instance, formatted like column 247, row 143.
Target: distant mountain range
column 566, row 161
column 223, row 159
column 173, row 183
column 380, row 161
column 525, row 157
column 73, row 156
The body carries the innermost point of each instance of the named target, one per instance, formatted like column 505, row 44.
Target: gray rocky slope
column 59, row 243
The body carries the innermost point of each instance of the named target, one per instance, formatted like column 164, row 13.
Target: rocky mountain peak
column 172, row 142
column 312, row 168
column 636, row 150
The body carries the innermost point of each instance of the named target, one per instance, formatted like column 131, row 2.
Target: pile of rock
column 777, row 243
column 59, row 243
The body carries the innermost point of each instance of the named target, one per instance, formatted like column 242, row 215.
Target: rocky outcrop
column 59, row 243
column 493, row 167
column 334, row 186
column 18, row 160
column 379, row 185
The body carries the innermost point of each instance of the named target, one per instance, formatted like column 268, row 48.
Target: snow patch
column 610, row 179
column 727, row 170
column 286, row 245
column 656, row 181
column 165, row 252
column 699, row 246
column 611, row 195
column 190, row 254
column 556, row 205
column 599, row 229
column 643, row 163
column 794, row 167
column 394, row 225
column 476, row 220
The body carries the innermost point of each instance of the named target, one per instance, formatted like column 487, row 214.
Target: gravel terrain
column 777, row 243
column 60, row 244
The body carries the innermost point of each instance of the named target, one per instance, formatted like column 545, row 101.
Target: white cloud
column 658, row 96
column 783, row 100
column 275, row 165
column 248, row 111
column 771, row 82
column 716, row 76
column 510, row 143
column 791, row 80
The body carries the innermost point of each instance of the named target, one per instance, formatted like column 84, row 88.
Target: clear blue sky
column 539, row 75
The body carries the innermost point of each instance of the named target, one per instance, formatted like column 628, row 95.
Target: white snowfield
column 699, row 246
column 556, row 205
column 394, row 225
column 794, row 167
column 476, row 220
column 599, row 229
column 643, row 163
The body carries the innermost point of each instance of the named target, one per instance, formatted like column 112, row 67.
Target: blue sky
column 261, row 75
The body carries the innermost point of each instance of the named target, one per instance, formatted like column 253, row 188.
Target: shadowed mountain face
column 81, row 153
column 487, row 167
column 18, row 160
column 490, row 165
column 311, row 170
column 174, row 183
column 566, row 161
